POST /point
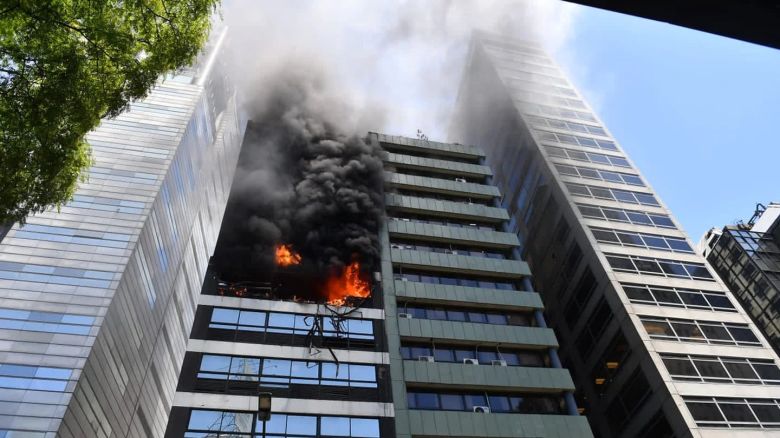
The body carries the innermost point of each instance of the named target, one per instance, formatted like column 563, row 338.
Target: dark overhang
column 755, row 21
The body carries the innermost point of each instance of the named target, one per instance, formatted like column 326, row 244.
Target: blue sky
column 698, row 113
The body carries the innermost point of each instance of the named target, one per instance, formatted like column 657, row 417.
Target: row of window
column 106, row 204
column 286, row 372
column 590, row 157
column 546, row 110
column 641, row 240
column 524, row 53
column 523, row 84
column 502, row 403
column 55, row 274
column 203, row 424
column 658, row 267
column 33, row 378
column 576, row 140
column 514, row 73
column 530, row 96
column 600, row 175
column 543, row 122
column 722, row 369
column 627, row 216
column 446, row 222
column 72, row 235
column 710, row 332
column 520, row 62
column 444, row 197
column 446, row 249
column 452, row 280
column 612, row 194
column 436, row 174
column 291, row 323
column 123, row 175
column 463, row 315
column 734, row 412
column 450, row 354
column 678, row 297
column 50, row 322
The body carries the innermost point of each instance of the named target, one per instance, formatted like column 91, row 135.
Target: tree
column 64, row 65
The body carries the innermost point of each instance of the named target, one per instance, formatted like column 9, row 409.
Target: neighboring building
column 754, row 21
column 747, row 259
column 657, row 345
column 452, row 330
column 98, row 298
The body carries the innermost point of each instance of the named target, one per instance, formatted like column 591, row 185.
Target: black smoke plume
column 301, row 180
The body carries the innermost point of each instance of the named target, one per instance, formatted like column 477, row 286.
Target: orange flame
column 285, row 256
column 339, row 288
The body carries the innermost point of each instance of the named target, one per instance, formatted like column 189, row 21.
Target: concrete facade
column 658, row 346
column 446, row 263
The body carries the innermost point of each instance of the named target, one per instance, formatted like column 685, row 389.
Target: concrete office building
column 98, row 298
column 657, row 345
column 746, row 256
column 451, row 343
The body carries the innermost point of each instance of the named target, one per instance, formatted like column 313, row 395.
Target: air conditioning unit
column 500, row 362
column 405, row 315
column 470, row 361
column 425, row 359
column 481, row 409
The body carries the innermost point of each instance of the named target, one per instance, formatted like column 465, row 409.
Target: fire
column 349, row 283
column 285, row 256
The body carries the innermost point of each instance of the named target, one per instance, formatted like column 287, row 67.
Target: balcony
column 435, row 147
column 484, row 334
column 468, row 424
column 443, row 233
column 440, row 185
column 455, row 168
column 487, row 377
column 487, row 298
column 459, row 264
column 460, row 210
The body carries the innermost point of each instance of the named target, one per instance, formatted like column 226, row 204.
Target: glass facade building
column 452, row 342
column 657, row 345
column 97, row 299
column 747, row 259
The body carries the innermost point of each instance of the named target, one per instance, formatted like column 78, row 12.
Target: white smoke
column 391, row 66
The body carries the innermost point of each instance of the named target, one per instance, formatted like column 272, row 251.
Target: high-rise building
column 657, row 345
column 452, row 341
column 746, row 256
column 98, row 298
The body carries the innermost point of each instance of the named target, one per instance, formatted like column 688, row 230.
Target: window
column 286, row 372
column 203, row 423
column 543, row 122
column 594, row 327
column 289, row 323
column 699, row 331
column 484, row 355
column 625, row 196
column 49, row 322
column 500, row 403
column 452, row 280
column 469, row 315
column 34, row 378
column 722, row 369
column 678, row 297
column 447, row 249
column 642, row 240
column 628, row 401
column 658, row 267
column 576, row 140
column 734, row 412
column 601, row 175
